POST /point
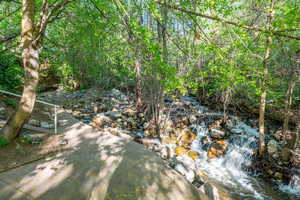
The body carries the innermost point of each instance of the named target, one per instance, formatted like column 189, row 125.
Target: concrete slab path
column 97, row 166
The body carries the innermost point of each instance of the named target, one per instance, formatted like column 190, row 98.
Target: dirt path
column 97, row 166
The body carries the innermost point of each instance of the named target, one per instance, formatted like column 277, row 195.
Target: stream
column 227, row 170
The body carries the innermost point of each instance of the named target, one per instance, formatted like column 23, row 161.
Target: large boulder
column 216, row 133
column 211, row 191
column 130, row 112
column 216, row 149
column 273, row 147
column 181, row 151
column 100, row 120
column 113, row 114
column 295, row 182
column 186, row 137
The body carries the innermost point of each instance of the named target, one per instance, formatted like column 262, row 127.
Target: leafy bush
column 11, row 73
column 11, row 102
column 3, row 141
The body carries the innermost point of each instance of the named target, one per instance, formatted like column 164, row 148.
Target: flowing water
column 227, row 170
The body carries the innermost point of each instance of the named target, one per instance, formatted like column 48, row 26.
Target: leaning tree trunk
column 30, row 59
column 263, row 95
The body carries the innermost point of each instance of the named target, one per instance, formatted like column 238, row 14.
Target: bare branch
column 218, row 19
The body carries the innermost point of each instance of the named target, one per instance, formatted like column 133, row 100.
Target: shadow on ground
column 99, row 166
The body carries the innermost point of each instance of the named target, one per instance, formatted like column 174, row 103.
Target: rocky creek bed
column 218, row 156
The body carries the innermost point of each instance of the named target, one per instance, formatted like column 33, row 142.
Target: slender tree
column 31, row 42
column 264, row 78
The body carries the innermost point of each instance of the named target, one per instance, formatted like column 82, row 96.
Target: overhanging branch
column 221, row 20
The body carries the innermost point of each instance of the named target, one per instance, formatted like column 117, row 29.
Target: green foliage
column 3, row 141
column 10, row 73
column 96, row 43
column 10, row 102
column 28, row 139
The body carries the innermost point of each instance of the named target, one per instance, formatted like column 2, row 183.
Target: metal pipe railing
column 39, row 101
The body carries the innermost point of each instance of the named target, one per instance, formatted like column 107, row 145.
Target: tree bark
column 263, row 95
column 30, row 59
column 138, row 83
column 297, row 131
column 288, row 103
column 31, row 40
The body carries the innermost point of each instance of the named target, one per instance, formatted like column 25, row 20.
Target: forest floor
column 20, row 152
column 34, row 142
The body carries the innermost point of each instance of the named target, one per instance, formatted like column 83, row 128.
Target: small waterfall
column 229, row 169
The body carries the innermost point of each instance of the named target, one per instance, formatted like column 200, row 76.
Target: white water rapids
column 227, row 170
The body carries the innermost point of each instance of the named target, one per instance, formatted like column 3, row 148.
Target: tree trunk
column 263, row 95
column 164, row 33
column 30, row 59
column 138, row 83
column 288, row 103
column 297, row 131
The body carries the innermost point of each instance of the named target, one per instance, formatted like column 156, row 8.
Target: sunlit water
column 228, row 171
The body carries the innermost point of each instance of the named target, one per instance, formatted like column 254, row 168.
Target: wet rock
column 272, row 147
column 168, row 125
column 201, row 109
column 34, row 122
column 217, row 133
column 137, row 134
column 270, row 172
column 126, row 136
column 130, row 112
column 86, row 120
column 183, row 170
column 295, row 182
column 180, row 151
column 150, row 143
column 113, row 131
column 285, row 154
column 211, row 191
column 197, row 182
column 194, row 155
column 278, row 175
column 217, row 124
column 118, row 94
column 278, row 135
column 168, row 140
column 186, row 137
column 295, row 157
column 205, row 142
column 236, row 130
column 46, row 125
column 113, row 115
column 100, row 120
column 217, row 148
column 165, row 153
column 192, row 119
column 188, row 162
column 113, row 125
